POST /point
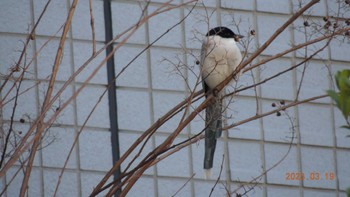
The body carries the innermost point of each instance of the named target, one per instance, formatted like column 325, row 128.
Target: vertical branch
column 7, row 140
column 41, row 126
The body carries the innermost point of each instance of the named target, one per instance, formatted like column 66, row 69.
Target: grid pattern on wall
column 151, row 86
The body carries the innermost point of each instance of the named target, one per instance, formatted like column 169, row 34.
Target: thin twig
column 92, row 24
column 218, row 179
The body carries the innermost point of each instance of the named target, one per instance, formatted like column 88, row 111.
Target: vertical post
column 112, row 96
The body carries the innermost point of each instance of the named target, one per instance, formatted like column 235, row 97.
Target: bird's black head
column 223, row 32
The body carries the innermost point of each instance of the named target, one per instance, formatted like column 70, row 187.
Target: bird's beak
column 237, row 37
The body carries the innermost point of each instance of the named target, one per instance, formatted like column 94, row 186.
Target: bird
column 220, row 56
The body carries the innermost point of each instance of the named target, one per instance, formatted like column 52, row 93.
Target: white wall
column 150, row 87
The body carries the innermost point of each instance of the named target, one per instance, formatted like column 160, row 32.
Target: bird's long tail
column 213, row 120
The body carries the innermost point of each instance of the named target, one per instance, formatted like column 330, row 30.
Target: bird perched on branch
column 220, row 56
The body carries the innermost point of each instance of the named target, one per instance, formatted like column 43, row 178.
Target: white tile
column 315, row 125
column 11, row 48
column 280, row 87
column 249, row 190
column 197, row 24
column 341, row 133
column 304, row 34
column 314, row 80
column 204, row 188
column 245, row 5
column 194, row 80
column 53, row 18
column 19, row 130
column 274, row 153
column 282, row 191
column 66, row 116
column 317, row 162
column 135, row 74
column 68, row 183
column 55, row 153
column 95, row 150
column 343, row 161
column 26, row 102
column 175, row 165
column 163, row 1
column 241, row 109
column 143, row 186
column 34, row 187
column 46, row 60
column 245, row 160
column 125, row 142
column 169, row 187
column 318, row 9
column 133, row 110
column 15, row 16
column 86, row 101
column 157, row 28
column 279, row 128
column 89, row 181
column 81, row 27
column 274, row 6
column 126, row 15
column 82, row 53
column 338, row 7
column 163, row 102
column 166, row 70
column 319, row 193
column 339, row 50
column 267, row 26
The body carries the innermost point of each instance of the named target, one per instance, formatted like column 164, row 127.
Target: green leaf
column 334, row 96
column 343, row 82
column 348, row 192
column 345, row 127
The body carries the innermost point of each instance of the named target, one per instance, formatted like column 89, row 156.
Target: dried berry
column 32, row 36
column 22, row 120
column 325, row 19
column 273, row 104
column 347, row 22
column 335, row 25
column 278, row 113
column 15, row 69
column 327, row 25
column 347, row 1
column 306, row 24
column 282, row 102
column 197, row 62
column 252, row 32
column 57, row 108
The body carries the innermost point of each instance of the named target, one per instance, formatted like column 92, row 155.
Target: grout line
column 296, row 108
column 75, row 110
column 37, row 93
column 332, row 107
column 150, row 93
column 188, row 128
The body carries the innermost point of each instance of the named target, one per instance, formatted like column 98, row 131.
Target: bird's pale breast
column 222, row 56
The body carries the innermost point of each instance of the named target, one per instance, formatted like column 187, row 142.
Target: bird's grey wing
column 213, row 121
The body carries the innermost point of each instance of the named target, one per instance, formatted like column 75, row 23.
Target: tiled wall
column 151, row 86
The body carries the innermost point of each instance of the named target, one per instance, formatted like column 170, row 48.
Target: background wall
column 151, row 86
